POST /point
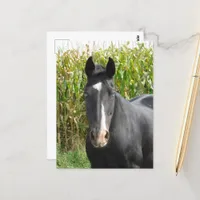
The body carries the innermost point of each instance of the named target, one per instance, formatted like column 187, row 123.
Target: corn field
column 134, row 76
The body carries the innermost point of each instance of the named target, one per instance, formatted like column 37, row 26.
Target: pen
column 189, row 110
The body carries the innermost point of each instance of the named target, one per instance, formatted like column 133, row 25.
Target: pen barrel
column 188, row 114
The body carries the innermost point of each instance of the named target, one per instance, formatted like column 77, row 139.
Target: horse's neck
column 123, row 108
column 122, row 104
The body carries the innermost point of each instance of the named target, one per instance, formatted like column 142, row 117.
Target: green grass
column 72, row 159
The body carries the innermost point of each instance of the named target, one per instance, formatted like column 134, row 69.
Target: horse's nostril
column 107, row 135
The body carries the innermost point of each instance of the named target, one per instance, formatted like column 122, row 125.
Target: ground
column 72, row 159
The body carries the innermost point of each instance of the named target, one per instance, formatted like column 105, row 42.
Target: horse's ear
column 89, row 67
column 110, row 68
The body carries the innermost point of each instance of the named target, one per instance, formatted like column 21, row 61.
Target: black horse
column 120, row 131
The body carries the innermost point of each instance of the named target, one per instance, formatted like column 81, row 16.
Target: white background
column 25, row 173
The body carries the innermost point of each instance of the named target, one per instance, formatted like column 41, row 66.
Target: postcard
column 100, row 100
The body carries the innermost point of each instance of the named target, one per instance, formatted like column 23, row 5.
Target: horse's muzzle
column 99, row 139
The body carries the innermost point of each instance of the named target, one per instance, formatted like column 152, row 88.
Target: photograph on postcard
column 104, row 104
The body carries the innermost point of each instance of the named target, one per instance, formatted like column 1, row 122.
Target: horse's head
column 100, row 100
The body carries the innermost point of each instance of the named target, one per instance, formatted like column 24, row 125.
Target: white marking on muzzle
column 101, row 139
column 97, row 86
column 103, row 119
